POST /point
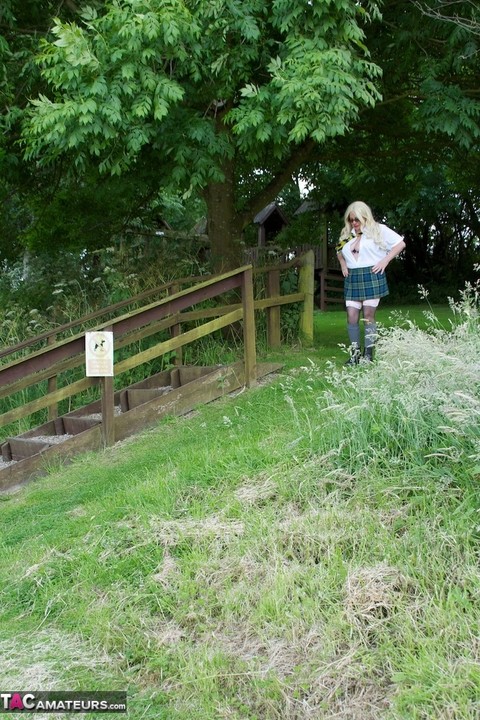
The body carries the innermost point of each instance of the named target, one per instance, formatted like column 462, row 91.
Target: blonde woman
column 364, row 250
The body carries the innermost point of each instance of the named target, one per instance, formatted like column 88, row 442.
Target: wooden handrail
column 140, row 297
column 68, row 347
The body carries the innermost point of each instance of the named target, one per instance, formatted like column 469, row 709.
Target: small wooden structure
column 271, row 220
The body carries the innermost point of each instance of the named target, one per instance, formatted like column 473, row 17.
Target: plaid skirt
column 363, row 284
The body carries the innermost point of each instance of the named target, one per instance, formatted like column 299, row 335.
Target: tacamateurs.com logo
column 46, row 701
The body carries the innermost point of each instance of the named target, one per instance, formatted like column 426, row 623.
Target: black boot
column 354, row 358
column 368, row 354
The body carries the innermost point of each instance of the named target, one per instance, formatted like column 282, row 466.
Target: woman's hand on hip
column 380, row 266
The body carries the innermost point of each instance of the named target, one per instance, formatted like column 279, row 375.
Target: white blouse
column 370, row 253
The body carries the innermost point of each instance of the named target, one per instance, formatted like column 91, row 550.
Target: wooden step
column 130, row 399
column 20, row 448
column 75, row 425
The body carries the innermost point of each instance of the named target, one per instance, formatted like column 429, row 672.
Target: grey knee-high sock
column 354, row 334
column 370, row 334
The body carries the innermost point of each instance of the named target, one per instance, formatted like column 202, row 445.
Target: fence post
column 52, row 385
column 306, row 285
column 273, row 312
column 176, row 330
column 108, row 407
column 250, row 353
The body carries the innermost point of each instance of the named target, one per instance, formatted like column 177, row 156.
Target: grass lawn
column 290, row 552
column 330, row 326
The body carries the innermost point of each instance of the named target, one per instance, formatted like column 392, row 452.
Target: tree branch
column 277, row 183
column 445, row 14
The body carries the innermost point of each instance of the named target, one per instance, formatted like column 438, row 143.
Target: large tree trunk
column 224, row 231
column 225, row 225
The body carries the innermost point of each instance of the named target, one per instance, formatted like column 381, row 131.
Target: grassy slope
column 239, row 563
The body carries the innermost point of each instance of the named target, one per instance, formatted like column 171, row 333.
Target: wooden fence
column 328, row 276
column 330, row 288
column 46, row 357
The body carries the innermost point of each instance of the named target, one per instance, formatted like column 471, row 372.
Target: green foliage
column 136, row 73
column 415, row 158
column 67, row 285
column 448, row 111
column 181, row 97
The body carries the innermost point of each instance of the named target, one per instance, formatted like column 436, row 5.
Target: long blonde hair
column 367, row 221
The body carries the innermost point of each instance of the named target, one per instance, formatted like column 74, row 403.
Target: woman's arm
column 343, row 264
column 380, row 266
